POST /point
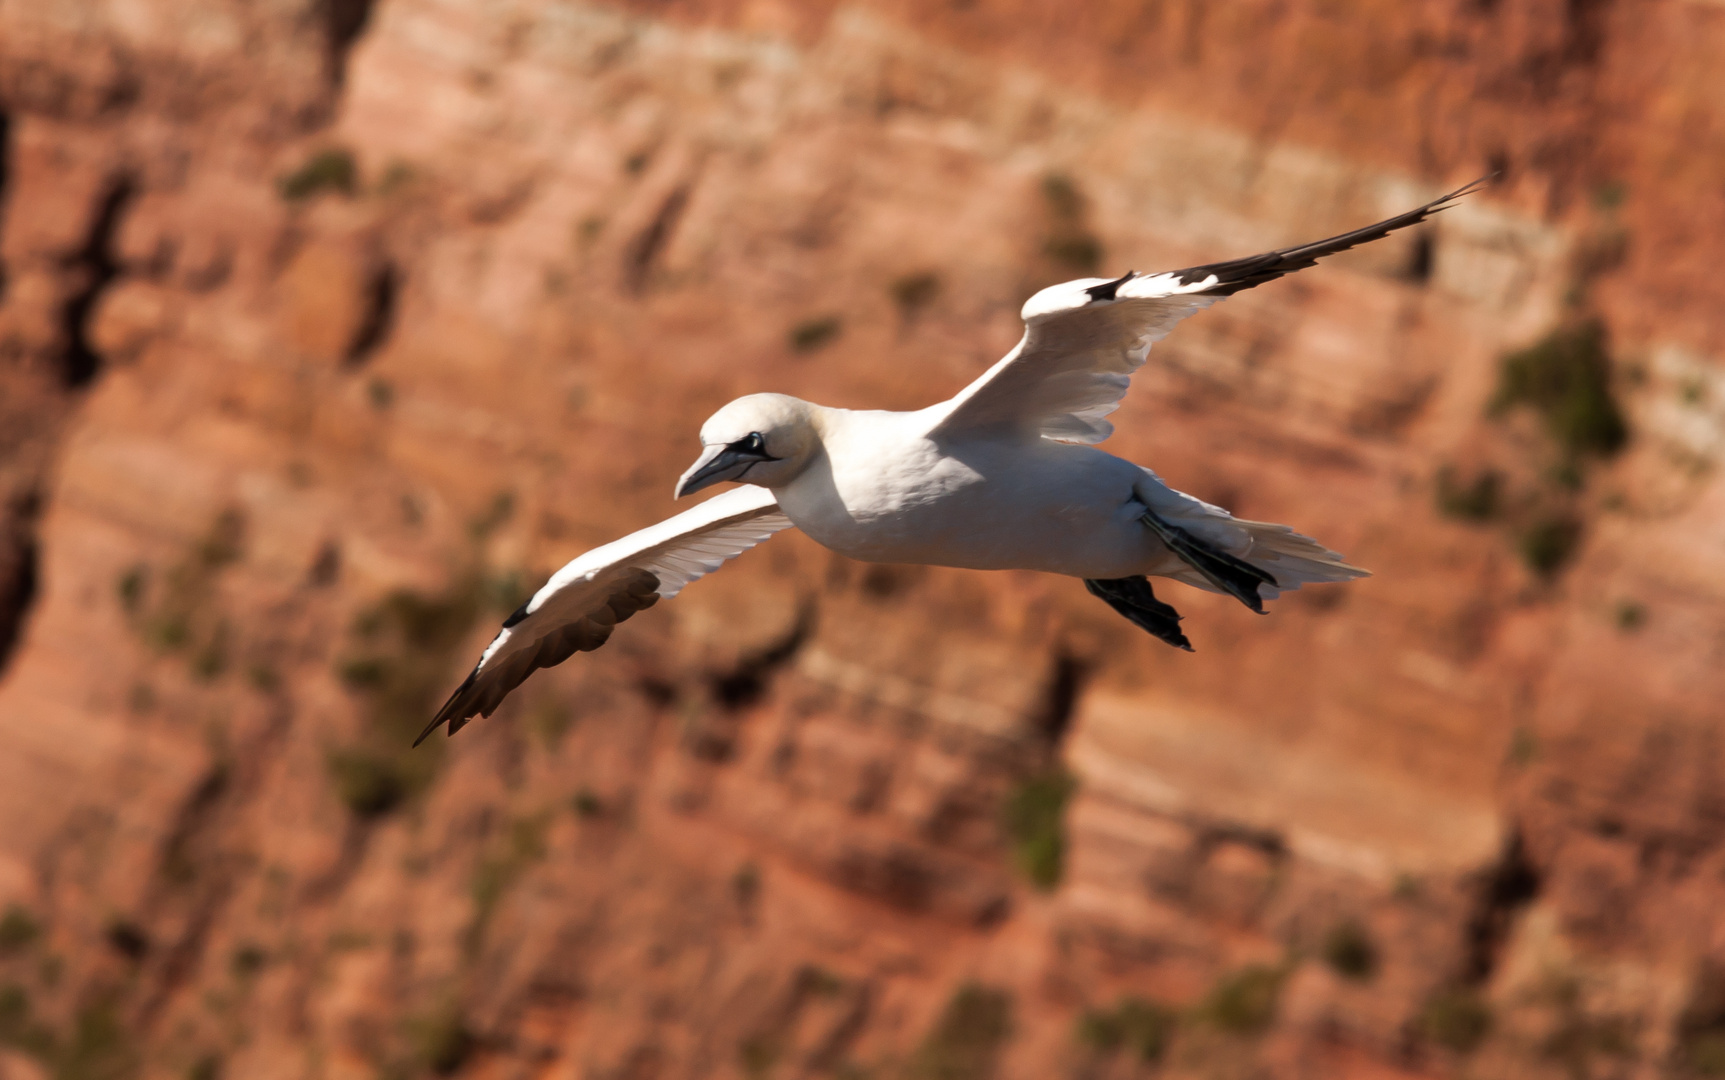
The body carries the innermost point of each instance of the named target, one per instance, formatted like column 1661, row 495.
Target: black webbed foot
column 1234, row 576
column 1132, row 598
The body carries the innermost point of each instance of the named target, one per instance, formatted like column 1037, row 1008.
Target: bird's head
column 764, row 439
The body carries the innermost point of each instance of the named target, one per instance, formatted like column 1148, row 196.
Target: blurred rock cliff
column 329, row 327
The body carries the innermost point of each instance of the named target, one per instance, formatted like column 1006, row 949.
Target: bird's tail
column 1289, row 558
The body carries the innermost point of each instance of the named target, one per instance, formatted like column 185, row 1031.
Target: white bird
column 1002, row 476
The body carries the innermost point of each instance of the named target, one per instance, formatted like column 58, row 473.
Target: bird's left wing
column 1083, row 339
column 582, row 602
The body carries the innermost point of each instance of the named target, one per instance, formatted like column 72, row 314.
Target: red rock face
column 328, row 328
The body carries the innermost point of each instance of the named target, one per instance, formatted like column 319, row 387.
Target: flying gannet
column 1002, row 476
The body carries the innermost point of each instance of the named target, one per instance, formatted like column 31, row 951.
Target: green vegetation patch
column 248, row 960
column 496, row 514
column 130, row 587
column 522, row 846
column 1580, row 1039
column 1069, row 244
column 965, row 1042
column 812, row 334
column 587, row 805
column 1703, row 1053
column 1523, row 746
column 332, row 169
column 1079, row 252
column 1034, row 818
column 757, row 1055
column 442, row 1040
column 208, row 1067
column 1350, row 951
column 1700, row 1043
column 1244, row 1002
column 180, row 613
column 397, row 177
column 17, row 1029
column 18, row 930
column 915, row 292
column 1548, row 543
column 371, row 783
column 1135, row 1025
column 1479, row 499
column 1457, row 1018
column 1566, row 378
column 550, row 719
column 380, row 392
column 1629, row 615
column 99, row 1047
column 402, row 652
column 746, row 885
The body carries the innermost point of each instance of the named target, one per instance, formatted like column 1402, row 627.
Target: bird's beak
column 717, row 464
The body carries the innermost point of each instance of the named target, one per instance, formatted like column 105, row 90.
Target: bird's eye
column 754, row 444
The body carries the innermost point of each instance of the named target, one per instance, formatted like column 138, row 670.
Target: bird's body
column 1004, row 475
column 883, row 489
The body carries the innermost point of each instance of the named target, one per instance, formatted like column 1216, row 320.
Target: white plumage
column 1002, row 476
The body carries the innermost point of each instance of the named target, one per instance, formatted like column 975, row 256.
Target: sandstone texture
column 329, row 327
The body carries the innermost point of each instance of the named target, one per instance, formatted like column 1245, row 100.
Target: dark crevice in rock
column 128, row 939
column 344, row 22
column 1422, row 258
column 1547, row 70
column 326, row 886
column 659, row 691
column 644, row 252
column 180, row 960
column 1060, row 700
column 374, row 329
column 745, row 684
column 18, row 581
column 5, row 185
column 1498, row 163
column 1507, row 888
column 900, row 877
column 1701, row 1026
column 198, row 875
column 80, row 363
column 179, row 862
column 190, row 863
column 1585, row 24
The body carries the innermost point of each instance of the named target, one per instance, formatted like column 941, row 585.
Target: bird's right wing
column 582, row 602
column 1083, row 339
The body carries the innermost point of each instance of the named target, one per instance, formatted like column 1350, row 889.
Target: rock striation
column 330, row 326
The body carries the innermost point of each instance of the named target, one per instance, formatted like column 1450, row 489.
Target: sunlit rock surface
column 329, row 328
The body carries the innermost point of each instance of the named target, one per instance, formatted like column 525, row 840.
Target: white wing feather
column 577, row 609
column 1076, row 359
column 1083, row 339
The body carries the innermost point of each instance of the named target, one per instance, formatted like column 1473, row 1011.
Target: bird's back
column 885, row 490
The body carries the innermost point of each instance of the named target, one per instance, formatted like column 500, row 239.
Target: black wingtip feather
column 1237, row 275
column 449, row 707
column 1107, row 289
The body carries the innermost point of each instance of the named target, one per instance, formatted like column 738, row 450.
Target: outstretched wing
column 1083, row 339
column 582, row 602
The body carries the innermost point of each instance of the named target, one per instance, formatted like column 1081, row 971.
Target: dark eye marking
column 754, row 444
